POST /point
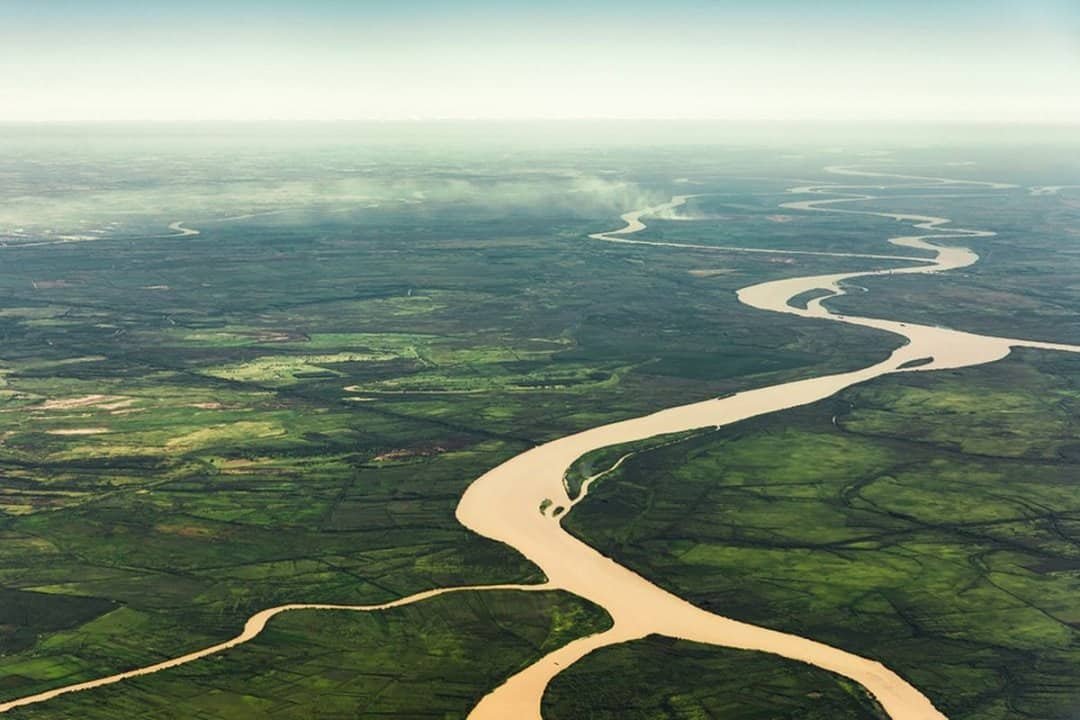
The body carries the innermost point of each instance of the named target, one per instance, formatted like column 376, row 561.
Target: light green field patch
column 221, row 434
column 439, row 350
column 287, row 369
column 407, row 305
column 486, row 373
column 44, row 365
column 402, row 344
column 54, row 667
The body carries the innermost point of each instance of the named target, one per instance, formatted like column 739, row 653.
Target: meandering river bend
column 504, row 503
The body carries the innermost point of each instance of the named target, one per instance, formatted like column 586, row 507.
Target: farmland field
column 237, row 373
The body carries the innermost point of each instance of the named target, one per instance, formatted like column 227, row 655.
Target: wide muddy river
column 505, row 503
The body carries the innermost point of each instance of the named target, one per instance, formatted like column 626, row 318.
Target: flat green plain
column 287, row 407
column 928, row 520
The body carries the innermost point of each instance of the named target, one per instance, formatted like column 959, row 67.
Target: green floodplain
column 286, row 407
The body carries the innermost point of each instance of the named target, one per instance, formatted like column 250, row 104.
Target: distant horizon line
column 771, row 122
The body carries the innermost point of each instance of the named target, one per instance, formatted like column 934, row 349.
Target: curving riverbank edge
column 252, row 628
column 502, row 504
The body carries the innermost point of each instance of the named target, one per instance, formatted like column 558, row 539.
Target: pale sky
column 994, row 61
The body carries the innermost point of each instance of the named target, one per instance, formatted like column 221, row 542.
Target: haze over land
column 292, row 354
column 520, row 361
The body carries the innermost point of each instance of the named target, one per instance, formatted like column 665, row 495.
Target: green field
column 432, row 659
column 661, row 679
column 287, row 407
column 931, row 521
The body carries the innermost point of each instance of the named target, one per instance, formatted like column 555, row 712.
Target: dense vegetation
column 660, row 678
column 931, row 521
column 287, row 406
column 434, row 659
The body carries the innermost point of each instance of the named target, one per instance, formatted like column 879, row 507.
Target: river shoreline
column 503, row 504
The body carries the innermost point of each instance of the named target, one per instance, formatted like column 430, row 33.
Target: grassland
column 674, row 679
column 1023, row 286
column 287, row 406
column 430, row 660
column 928, row 520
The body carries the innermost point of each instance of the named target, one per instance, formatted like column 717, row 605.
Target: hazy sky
column 789, row 60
